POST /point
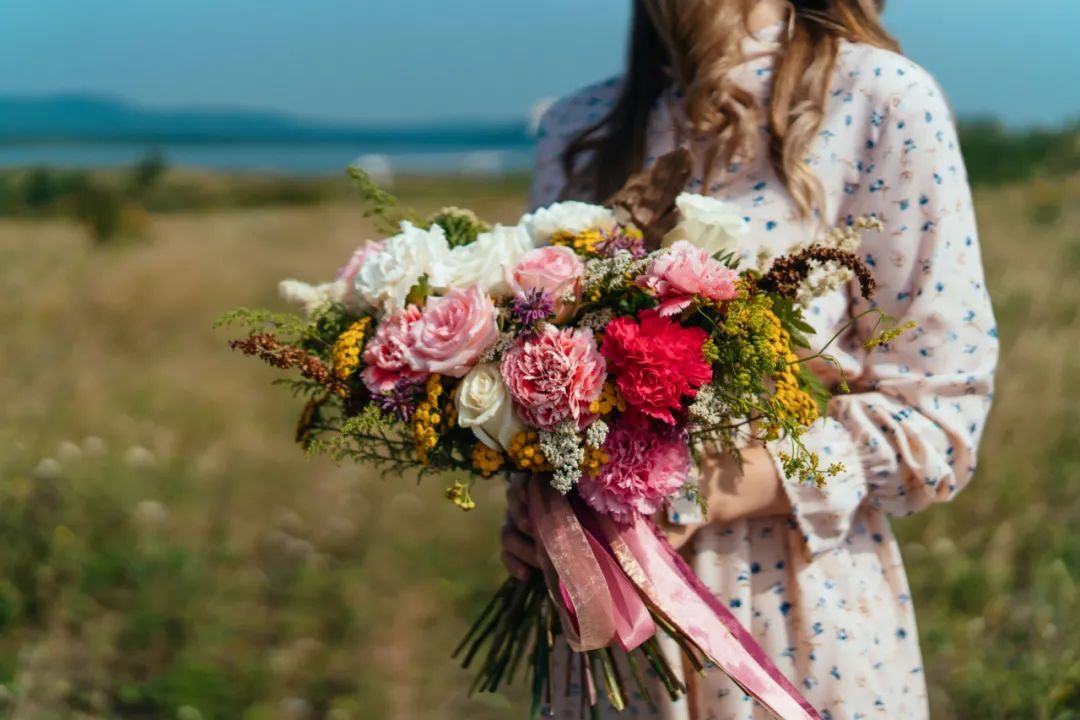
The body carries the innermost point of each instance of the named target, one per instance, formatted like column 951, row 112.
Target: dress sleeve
column 909, row 429
column 561, row 123
column 551, row 141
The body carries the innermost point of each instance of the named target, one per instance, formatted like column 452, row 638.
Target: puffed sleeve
column 548, row 175
column 909, row 430
column 561, row 123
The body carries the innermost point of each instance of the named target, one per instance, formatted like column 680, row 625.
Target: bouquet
column 597, row 348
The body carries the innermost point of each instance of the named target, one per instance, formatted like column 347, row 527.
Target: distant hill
column 92, row 118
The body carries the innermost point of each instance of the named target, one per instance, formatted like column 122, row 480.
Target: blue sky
column 366, row 60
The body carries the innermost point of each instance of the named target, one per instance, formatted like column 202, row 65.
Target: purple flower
column 532, row 307
column 400, row 400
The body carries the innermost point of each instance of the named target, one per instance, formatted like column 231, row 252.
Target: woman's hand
column 735, row 493
column 732, row 493
column 518, row 548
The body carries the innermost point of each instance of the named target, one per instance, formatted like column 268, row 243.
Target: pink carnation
column 453, row 332
column 685, row 272
column 645, row 466
column 554, row 375
column 386, row 354
column 554, row 269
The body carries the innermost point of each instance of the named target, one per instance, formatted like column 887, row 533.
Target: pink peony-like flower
column 555, row 269
column 386, row 356
column 554, row 375
column 348, row 271
column 453, row 332
column 656, row 362
column 645, row 466
column 685, row 272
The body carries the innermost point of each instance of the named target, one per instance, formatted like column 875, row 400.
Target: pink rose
column 348, row 272
column 555, row 269
column 554, row 376
column 686, row 272
column 454, row 332
column 386, row 357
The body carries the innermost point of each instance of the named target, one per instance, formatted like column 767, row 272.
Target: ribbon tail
column 575, row 580
column 674, row 592
column 633, row 623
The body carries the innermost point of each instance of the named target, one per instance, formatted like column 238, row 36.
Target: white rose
column 711, row 224
column 484, row 261
column 484, row 404
column 571, row 216
column 387, row 276
column 312, row 297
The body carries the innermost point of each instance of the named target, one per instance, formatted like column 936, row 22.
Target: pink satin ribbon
column 597, row 603
column 673, row 590
column 605, row 577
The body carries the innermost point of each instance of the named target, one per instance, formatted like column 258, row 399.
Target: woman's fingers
column 518, row 549
column 517, row 507
column 519, row 545
column 515, row 567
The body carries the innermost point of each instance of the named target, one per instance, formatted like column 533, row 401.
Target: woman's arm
column 909, row 431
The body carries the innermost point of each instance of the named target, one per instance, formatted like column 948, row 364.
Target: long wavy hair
column 695, row 44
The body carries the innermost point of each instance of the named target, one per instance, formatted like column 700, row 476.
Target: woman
column 805, row 115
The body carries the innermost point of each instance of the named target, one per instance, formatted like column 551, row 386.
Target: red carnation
column 656, row 362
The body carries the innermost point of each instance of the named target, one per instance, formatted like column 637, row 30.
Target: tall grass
column 166, row 552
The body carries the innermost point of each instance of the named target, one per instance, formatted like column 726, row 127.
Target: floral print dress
column 824, row 591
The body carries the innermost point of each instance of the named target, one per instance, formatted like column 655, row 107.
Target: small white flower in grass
column 711, row 224
column 139, row 458
column 47, row 469
column 69, row 452
column 150, row 515
column 93, row 446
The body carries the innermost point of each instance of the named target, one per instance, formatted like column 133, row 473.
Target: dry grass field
column 167, row 552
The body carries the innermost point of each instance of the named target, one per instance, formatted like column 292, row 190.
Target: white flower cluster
column 597, row 320
column 596, row 434
column 311, row 297
column 824, row 278
column 848, row 237
column 706, row 411
column 563, row 450
column 605, row 274
column 496, row 350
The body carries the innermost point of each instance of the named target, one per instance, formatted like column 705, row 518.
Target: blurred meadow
column 167, row 552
